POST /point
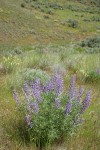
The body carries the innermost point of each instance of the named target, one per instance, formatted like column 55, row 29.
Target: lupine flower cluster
column 50, row 110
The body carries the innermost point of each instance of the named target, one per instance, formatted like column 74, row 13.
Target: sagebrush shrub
column 91, row 42
column 23, row 5
column 73, row 23
column 26, row 75
column 52, row 113
column 31, row 75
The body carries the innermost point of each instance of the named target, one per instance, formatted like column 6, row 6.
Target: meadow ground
column 39, row 36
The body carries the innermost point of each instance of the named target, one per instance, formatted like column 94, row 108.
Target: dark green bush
column 96, row 18
column 50, row 12
column 73, row 23
column 96, row 2
column 91, row 42
column 55, row 5
column 22, row 5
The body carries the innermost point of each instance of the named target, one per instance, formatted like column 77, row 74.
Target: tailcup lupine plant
column 50, row 112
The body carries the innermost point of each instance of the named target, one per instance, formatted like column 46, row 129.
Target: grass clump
column 93, row 76
column 10, row 63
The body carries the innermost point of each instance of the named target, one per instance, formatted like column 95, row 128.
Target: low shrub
column 96, row 18
column 50, row 12
column 32, row 74
column 55, row 5
column 23, row 5
column 27, row 75
column 96, row 2
column 91, row 42
column 52, row 114
column 46, row 17
column 73, row 23
column 16, row 51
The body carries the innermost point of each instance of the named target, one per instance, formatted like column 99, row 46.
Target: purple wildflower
column 81, row 91
column 15, row 95
column 57, row 103
column 86, row 101
column 35, row 106
column 28, row 120
column 50, row 86
column 44, row 88
column 37, row 83
column 32, row 86
column 72, row 91
column 36, row 90
column 37, row 95
column 58, row 83
column 68, row 108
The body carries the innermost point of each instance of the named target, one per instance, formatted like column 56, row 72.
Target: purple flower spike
column 81, row 91
column 44, row 88
column 50, row 86
column 58, row 83
column 72, row 91
column 32, row 86
column 15, row 95
column 36, row 90
column 68, row 108
column 57, row 103
column 37, row 95
column 35, row 106
column 86, row 101
column 28, row 120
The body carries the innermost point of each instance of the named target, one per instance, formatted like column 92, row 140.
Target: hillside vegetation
column 29, row 22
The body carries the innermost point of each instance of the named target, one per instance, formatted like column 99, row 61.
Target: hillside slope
column 28, row 22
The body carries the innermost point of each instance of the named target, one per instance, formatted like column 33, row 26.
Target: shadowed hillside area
column 49, row 74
